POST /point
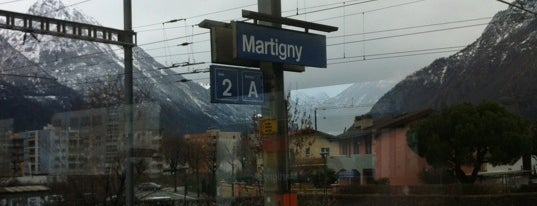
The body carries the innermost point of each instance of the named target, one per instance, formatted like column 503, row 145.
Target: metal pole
column 315, row 114
column 127, row 21
column 275, row 106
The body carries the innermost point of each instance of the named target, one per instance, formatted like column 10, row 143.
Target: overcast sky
column 380, row 20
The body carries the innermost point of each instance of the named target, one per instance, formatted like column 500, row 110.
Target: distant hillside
column 51, row 74
column 501, row 65
column 336, row 112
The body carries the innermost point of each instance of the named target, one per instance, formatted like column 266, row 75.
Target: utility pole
column 127, row 23
column 276, row 182
column 274, row 124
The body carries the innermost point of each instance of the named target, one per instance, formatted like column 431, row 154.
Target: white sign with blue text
column 234, row 85
column 262, row 43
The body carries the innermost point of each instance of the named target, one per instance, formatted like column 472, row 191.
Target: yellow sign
column 268, row 126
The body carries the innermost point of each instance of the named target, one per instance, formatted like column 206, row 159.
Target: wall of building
column 395, row 160
column 6, row 130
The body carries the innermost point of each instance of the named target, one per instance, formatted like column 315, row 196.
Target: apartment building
column 378, row 149
column 6, row 131
column 84, row 142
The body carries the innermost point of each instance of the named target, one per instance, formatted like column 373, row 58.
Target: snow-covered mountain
column 499, row 66
column 82, row 66
column 336, row 112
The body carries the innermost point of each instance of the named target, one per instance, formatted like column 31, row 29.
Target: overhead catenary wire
column 101, row 81
column 9, row 2
column 412, row 27
column 407, row 34
column 186, row 36
column 335, row 44
column 320, row 10
column 201, row 15
column 379, row 31
column 450, row 48
column 74, row 4
column 396, row 56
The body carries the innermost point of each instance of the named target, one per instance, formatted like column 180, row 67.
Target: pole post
column 127, row 23
column 276, row 179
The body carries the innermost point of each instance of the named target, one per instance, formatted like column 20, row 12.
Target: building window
column 325, row 152
column 356, row 147
column 369, row 175
column 368, row 146
column 57, row 123
column 74, row 122
column 344, row 149
column 85, row 122
column 308, row 152
column 96, row 120
column 484, row 167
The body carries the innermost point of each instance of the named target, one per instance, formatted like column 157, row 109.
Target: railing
column 350, row 162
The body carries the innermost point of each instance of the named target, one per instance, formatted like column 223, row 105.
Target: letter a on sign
column 253, row 90
column 252, row 85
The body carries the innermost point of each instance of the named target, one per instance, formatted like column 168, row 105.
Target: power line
column 368, row 11
column 396, row 56
column 208, row 32
column 393, row 36
column 178, row 27
column 400, row 52
column 9, row 2
column 317, row 6
column 519, row 7
column 413, row 27
column 231, row 9
column 74, row 4
column 174, row 38
column 408, row 34
column 372, row 39
column 335, row 7
column 386, row 30
column 200, row 15
column 393, row 6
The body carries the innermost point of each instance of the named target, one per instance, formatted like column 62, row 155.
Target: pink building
column 374, row 150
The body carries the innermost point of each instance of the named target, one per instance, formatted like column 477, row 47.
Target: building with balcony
column 86, row 142
column 372, row 150
column 99, row 135
column 222, row 146
column 310, row 151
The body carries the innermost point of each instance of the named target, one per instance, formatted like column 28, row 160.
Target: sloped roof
column 385, row 123
column 311, row 131
column 401, row 120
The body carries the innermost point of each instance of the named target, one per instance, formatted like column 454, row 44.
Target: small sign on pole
column 268, row 126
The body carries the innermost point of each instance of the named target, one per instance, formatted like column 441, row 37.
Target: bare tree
column 110, row 91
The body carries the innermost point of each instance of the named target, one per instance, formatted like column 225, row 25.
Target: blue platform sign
column 263, row 43
column 234, row 85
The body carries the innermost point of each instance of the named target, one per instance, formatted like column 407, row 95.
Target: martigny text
column 272, row 47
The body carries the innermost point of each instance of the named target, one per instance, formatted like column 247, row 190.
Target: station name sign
column 262, row 43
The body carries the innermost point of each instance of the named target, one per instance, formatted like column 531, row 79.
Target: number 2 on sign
column 227, row 83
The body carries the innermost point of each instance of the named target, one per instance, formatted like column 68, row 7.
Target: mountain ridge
column 82, row 67
column 498, row 66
